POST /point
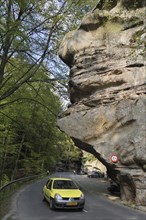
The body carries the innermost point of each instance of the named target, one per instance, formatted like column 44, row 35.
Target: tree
column 31, row 78
column 32, row 30
column 32, row 121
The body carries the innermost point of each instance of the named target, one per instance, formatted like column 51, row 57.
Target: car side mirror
column 45, row 186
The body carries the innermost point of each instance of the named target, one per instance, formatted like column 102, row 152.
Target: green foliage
column 132, row 22
column 30, row 142
column 89, row 157
column 31, row 31
column 32, row 83
column 28, row 126
column 5, row 180
column 133, row 4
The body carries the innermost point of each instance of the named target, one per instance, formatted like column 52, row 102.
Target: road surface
column 27, row 204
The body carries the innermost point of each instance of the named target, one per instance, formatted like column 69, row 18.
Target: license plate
column 71, row 203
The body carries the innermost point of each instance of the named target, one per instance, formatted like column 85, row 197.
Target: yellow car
column 63, row 193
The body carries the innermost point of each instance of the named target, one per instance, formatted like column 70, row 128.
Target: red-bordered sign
column 114, row 158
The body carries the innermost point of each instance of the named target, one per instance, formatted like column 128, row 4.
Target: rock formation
column 107, row 78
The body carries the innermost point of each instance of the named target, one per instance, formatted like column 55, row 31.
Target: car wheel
column 52, row 206
column 44, row 199
column 81, row 209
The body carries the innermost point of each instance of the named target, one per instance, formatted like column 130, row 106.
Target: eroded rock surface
column 107, row 115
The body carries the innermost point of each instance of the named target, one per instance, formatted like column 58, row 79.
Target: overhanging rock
column 107, row 114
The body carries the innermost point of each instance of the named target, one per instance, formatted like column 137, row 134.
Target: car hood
column 68, row 192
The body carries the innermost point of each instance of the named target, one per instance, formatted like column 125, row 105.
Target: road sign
column 114, row 158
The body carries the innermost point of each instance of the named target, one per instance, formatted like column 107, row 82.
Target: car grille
column 77, row 198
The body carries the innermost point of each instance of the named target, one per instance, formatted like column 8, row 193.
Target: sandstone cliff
column 107, row 114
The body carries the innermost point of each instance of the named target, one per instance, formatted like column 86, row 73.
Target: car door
column 48, row 190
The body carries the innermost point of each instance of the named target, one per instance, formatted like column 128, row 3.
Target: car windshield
column 64, row 184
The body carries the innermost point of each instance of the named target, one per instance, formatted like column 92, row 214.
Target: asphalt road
column 27, row 204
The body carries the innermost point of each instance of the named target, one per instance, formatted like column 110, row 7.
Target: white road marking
column 84, row 210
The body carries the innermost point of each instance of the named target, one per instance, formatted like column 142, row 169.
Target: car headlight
column 82, row 196
column 57, row 197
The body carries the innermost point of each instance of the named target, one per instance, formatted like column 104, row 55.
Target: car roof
column 60, row 178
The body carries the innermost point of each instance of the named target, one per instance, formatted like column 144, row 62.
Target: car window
column 64, row 184
column 49, row 184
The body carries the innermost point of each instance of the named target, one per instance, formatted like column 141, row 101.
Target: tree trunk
column 17, row 160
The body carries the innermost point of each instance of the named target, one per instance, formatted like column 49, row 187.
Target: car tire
column 44, row 199
column 52, row 206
